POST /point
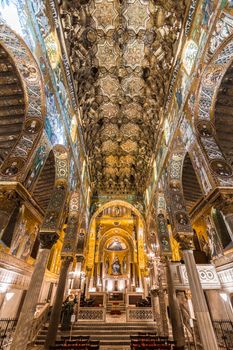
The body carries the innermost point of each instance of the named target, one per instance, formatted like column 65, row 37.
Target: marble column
column 175, row 313
column 201, row 311
column 162, row 303
column 24, row 325
column 57, row 306
column 145, row 280
column 77, row 274
column 101, row 275
column 156, row 310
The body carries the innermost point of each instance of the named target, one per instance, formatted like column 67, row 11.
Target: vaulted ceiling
column 121, row 54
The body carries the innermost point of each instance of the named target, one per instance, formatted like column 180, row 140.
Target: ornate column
column 182, row 230
column 101, row 275
column 68, row 251
column 156, row 309
column 165, row 250
column 162, row 303
column 78, row 270
column 175, row 314
column 22, row 333
column 57, row 306
column 201, row 311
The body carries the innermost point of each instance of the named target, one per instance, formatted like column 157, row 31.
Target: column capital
column 48, row 239
column 224, row 201
column 186, row 240
column 67, row 259
column 80, row 258
column 154, row 292
column 188, row 294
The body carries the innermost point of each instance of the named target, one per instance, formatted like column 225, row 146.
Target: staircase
column 111, row 335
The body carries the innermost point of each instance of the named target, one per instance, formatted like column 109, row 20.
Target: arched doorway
column 116, row 256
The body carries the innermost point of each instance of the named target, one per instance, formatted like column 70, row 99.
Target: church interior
column 116, row 174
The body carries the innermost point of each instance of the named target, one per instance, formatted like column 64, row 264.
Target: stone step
column 96, row 336
column 106, row 331
column 113, row 324
column 119, row 326
column 111, row 335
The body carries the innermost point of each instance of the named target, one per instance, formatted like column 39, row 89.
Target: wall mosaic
column 24, row 236
column 52, row 219
column 34, row 97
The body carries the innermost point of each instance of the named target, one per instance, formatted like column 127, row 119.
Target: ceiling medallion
column 129, row 146
column 106, row 55
column 130, row 130
column 105, row 14
column 134, row 54
column 133, row 86
column 109, row 147
column 112, row 160
column 137, row 15
column 110, row 130
column 110, row 86
column 133, row 111
column 109, row 110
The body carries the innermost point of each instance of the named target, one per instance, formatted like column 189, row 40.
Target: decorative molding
column 207, row 274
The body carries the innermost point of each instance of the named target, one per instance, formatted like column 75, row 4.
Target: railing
column 7, row 328
column 40, row 318
column 142, row 314
column 224, row 333
column 8, row 325
column 92, row 314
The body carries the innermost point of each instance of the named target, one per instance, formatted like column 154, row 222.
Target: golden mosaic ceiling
column 121, row 54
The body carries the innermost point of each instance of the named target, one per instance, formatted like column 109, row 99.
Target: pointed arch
column 30, row 116
column 117, row 202
column 205, row 108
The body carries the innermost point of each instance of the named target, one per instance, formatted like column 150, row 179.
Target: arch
column 122, row 233
column 223, row 115
column 28, row 135
column 117, row 202
column 210, row 81
column 191, row 187
column 92, row 231
column 12, row 102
